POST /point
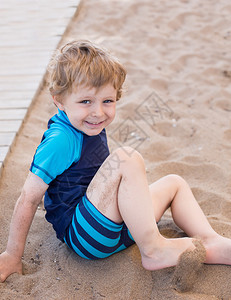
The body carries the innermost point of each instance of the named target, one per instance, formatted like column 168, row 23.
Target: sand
column 176, row 112
column 188, row 268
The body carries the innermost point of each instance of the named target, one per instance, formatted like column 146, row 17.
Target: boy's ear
column 57, row 103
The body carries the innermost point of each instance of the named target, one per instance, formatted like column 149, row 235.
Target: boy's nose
column 97, row 111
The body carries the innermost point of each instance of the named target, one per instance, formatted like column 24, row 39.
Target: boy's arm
column 24, row 211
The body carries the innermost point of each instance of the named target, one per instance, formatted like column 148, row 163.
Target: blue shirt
column 67, row 160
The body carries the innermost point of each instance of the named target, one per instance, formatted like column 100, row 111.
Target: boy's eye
column 108, row 101
column 85, row 101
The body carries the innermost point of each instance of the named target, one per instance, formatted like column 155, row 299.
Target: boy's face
column 89, row 109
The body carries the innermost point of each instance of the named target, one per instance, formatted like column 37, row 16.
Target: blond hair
column 81, row 63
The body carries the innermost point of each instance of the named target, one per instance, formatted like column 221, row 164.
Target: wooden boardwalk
column 30, row 31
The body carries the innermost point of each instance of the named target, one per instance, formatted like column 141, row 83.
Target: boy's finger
column 2, row 278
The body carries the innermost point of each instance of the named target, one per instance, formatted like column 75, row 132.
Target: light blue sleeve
column 55, row 154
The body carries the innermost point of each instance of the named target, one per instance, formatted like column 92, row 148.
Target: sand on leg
column 120, row 191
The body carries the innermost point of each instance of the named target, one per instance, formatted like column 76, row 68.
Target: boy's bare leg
column 172, row 191
column 120, row 191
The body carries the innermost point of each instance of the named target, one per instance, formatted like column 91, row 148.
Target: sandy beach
column 175, row 110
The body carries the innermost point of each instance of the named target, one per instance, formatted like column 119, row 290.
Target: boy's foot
column 168, row 254
column 218, row 250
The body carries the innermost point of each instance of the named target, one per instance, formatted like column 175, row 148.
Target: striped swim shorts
column 92, row 235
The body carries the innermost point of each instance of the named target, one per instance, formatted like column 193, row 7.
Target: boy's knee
column 128, row 154
column 177, row 180
column 129, row 159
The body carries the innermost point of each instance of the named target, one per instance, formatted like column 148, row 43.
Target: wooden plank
column 10, row 125
column 6, row 138
column 3, row 152
column 12, row 114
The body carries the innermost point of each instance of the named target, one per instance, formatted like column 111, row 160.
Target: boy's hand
column 24, row 211
column 9, row 265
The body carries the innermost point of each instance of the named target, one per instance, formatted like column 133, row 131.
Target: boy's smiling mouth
column 94, row 123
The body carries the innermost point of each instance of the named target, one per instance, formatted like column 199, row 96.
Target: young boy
column 100, row 203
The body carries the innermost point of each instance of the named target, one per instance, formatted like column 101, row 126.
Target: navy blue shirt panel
column 83, row 157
